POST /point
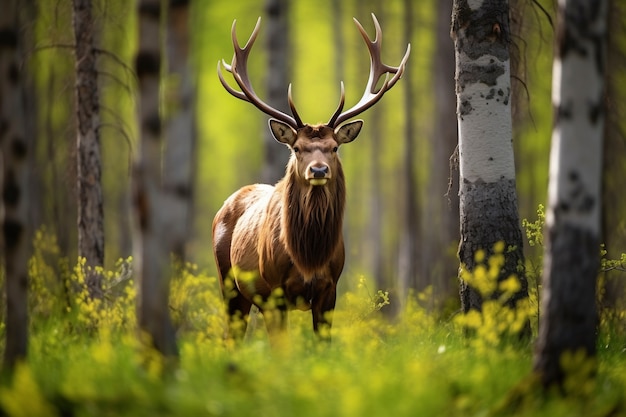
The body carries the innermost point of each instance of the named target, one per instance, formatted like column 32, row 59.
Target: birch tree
column 15, row 151
column 89, row 164
column 571, row 256
column 180, row 129
column 488, row 200
column 276, row 79
column 152, row 261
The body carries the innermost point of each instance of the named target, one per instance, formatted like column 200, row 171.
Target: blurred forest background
column 400, row 173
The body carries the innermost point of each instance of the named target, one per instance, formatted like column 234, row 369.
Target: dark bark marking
column 564, row 111
column 147, row 64
column 578, row 27
column 490, row 216
column 8, row 38
column 578, row 198
column 14, row 74
column 152, row 124
column 486, row 28
column 12, row 231
column 486, row 74
column 182, row 191
column 571, row 316
column 175, row 4
column 273, row 9
column 465, row 108
column 140, row 199
column 4, row 127
column 19, row 148
column 11, row 190
column 150, row 9
column 596, row 111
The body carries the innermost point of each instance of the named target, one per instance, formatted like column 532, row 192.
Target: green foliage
column 498, row 321
column 85, row 358
column 534, row 230
column 609, row 315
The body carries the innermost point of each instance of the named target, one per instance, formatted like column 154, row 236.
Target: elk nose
column 319, row 172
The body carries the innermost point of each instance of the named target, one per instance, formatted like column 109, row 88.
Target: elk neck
column 311, row 219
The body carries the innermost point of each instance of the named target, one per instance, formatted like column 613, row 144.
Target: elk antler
column 377, row 70
column 239, row 69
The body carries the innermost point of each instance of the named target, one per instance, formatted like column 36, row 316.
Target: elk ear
column 347, row 132
column 283, row 132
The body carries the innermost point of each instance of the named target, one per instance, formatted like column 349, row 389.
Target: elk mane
column 312, row 219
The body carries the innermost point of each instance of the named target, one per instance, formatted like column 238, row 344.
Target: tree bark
column 152, row 261
column 408, row 275
column 180, row 130
column 440, row 217
column 613, row 296
column 89, row 175
column 277, row 80
column 15, row 152
column 488, row 200
column 571, row 256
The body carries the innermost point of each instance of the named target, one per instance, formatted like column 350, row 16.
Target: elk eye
column 335, row 149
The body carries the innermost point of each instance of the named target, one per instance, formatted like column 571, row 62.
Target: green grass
column 85, row 360
column 370, row 369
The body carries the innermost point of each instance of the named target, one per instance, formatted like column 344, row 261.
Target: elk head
column 310, row 142
column 314, row 148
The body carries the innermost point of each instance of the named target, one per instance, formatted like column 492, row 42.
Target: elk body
column 286, row 240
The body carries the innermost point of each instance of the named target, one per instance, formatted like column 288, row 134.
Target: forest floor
column 85, row 360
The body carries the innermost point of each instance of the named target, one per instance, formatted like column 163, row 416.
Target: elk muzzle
column 317, row 174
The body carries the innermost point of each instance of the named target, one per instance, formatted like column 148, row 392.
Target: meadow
column 86, row 359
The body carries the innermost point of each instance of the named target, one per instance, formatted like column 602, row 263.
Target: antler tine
column 239, row 69
column 342, row 101
column 292, row 106
column 377, row 70
column 228, row 88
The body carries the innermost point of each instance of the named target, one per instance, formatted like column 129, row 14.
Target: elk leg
column 322, row 309
column 238, row 308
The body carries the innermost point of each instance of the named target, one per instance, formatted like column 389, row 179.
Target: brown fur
column 288, row 236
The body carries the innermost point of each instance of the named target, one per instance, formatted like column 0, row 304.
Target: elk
column 285, row 242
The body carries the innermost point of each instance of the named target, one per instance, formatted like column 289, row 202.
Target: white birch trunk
column 571, row 256
column 152, row 261
column 488, row 199
column 180, row 131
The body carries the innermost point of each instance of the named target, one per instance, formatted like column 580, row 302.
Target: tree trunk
column 571, row 257
column 152, row 260
column 374, row 241
column 447, row 169
column 613, row 296
column 180, row 132
column 374, row 230
column 277, row 79
column 408, row 250
column 90, row 206
column 488, row 201
column 15, row 152
column 442, row 223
